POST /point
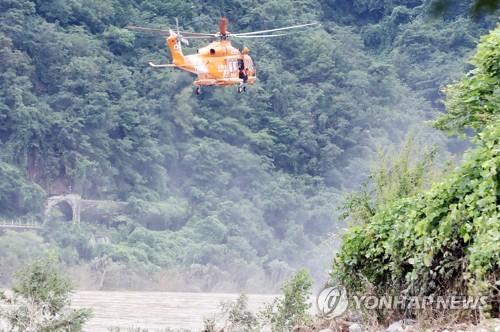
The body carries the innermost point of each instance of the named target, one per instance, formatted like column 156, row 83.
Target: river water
column 155, row 310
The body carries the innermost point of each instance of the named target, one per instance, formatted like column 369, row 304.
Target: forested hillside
column 233, row 185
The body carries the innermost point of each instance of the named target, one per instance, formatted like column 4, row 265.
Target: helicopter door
column 249, row 65
column 232, row 68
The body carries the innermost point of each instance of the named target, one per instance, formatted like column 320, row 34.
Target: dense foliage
column 424, row 242
column 446, row 238
column 474, row 101
column 395, row 175
column 239, row 317
column 292, row 308
column 40, row 302
column 225, row 185
column 287, row 312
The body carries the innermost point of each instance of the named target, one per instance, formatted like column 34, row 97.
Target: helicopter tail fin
column 174, row 45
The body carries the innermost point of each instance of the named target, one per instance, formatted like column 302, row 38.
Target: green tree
column 474, row 102
column 239, row 317
column 293, row 307
column 477, row 6
column 396, row 175
column 41, row 299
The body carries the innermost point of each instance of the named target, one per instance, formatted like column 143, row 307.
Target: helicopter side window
column 241, row 64
column 232, row 65
column 212, row 51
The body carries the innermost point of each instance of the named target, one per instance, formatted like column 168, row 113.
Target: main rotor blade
column 272, row 30
column 259, row 36
column 167, row 32
column 197, row 34
column 151, row 30
column 199, row 37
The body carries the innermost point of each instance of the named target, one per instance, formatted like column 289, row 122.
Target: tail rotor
column 179, row 35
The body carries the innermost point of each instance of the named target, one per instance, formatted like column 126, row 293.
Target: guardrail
column 20, row 224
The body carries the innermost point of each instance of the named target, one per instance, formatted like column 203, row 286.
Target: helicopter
column 218, row 63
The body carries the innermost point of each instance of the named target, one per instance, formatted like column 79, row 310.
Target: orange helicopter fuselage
column 218, row 63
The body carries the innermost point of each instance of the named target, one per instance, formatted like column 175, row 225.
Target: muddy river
column 155, row 310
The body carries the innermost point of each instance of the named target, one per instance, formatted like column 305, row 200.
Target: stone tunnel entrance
column 69, row 205
column 63, row 207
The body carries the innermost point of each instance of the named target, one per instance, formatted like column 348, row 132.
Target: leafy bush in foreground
column 41, row 298
column 282, row 315
column 448, row 238
column 428, row 242
column 292, row 308
column 474, row 101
